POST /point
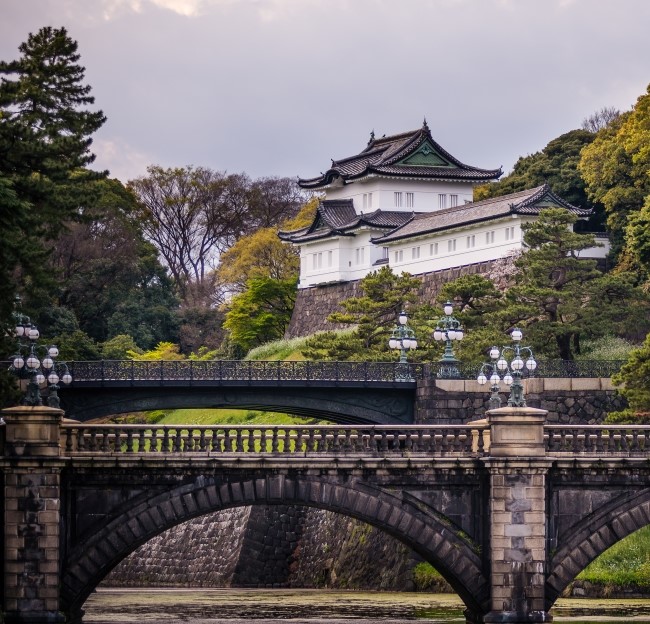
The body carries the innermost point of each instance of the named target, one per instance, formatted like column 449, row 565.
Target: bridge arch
column 135, row 522
column 387, row 404
column 592, row 536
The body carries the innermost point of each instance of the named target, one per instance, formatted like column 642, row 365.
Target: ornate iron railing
column 550, row 368
column 295, row 441
column 600, row 440
column 246, row 371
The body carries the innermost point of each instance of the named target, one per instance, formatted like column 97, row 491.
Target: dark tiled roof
column 529, row 202
column 338, row 218
column 390, row 155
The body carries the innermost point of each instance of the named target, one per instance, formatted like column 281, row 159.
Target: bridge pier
column 518, row 468
column 32, row 499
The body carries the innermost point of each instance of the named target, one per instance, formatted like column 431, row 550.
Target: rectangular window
column 384, row 253
column 320, row 260
column 451, row 244
column 510, row 233
column 365, row 201
column 442, row 201
column 415, row 253
column 471, row 241
column 399, row 256
column 489, row 237
column 370, row 201
column 313, row 261
column 330, row 257
column 453, row 200
column 410, row 200
column 398, row 199
column 433, row 249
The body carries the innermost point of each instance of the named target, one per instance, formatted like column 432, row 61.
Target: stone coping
column 536, row 385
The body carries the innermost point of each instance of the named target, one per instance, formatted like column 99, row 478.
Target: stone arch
column 133, row 524
column 592, row 536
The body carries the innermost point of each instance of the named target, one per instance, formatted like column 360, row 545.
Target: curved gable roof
column 412, row 154
column 528, row 202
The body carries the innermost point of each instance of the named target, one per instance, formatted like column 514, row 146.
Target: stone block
column 555, row 385
column 585, row 384
column 517, row 530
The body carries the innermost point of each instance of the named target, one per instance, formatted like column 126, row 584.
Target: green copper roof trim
column 425, row 156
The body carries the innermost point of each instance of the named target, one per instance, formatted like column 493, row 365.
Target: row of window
column 407, row 200
column 399, row 200
column 434, row 249
column 470, row 243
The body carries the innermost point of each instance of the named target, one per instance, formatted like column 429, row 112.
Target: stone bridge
column 508, row 509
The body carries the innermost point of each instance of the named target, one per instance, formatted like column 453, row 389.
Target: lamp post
column 448, row 329
column 403, row 339
column 26, row 363
column 511, row 371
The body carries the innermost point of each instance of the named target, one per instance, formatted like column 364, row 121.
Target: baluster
column 623, row 441
column 600, row 446
column 153, row 441
column 203, row 445
column 239, row 441
column 68, row 440
column 298, row 447
column 336, row 441
column 105, row 441
column 576, row 445
column 286, row 446
column 480, row 442
column 166, row 441
column 251, row 440
column 129, row 440
column 93, row 440
column 263, row 441
column 178, row 440
column 384, row 441
column 215, row 443
column 408, row 442
column 141, row 441
column 347, row 442
column 189, row 441
column 117, row 441
column 588, row 443
column 81, row 442
column 635, row 441
column 274, row 440
column 227, row 442
column 444, row 442
column 563, row 440
column 311, row 442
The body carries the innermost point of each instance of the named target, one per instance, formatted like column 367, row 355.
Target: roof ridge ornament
column 425, row 125
column 372, row 137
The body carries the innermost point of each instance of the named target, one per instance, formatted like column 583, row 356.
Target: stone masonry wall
column 274, row 546
column 315, row 304
column 568, row 401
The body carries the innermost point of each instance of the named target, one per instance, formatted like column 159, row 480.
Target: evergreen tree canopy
column 558, row 296
column 45, row 128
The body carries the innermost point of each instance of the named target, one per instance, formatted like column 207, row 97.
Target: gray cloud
column 278, row 87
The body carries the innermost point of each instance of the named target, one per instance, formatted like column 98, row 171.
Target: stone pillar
column 518, row 468
column 32, row 470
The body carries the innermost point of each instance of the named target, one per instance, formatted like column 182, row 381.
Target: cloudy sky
column 278, row 87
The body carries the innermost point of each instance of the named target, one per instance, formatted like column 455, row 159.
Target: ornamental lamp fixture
column 448, row 329
column 403, row 339
column 511, row 371
column 27, row 364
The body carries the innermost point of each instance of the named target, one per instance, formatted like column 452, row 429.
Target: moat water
column 259, row 606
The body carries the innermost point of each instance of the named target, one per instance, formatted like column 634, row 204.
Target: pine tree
column 45, row 128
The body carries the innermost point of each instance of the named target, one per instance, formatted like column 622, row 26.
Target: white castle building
column 406, row 202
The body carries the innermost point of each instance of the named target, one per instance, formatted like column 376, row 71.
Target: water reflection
column 237, row 606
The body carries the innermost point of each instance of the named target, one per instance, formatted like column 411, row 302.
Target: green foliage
column 607, row 347
column 261, row 313
column 45, row 128
column 162, row 351
column 373, row 316
column 626, row 565
column 283, row 349
column 78, row 346
column 427, row 578
column 634, row 378
column 560, row 298
column 615, row 168
column 557, row 166
column 119, row 347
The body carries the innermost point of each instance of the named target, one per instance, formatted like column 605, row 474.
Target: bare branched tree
column 600, row 119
